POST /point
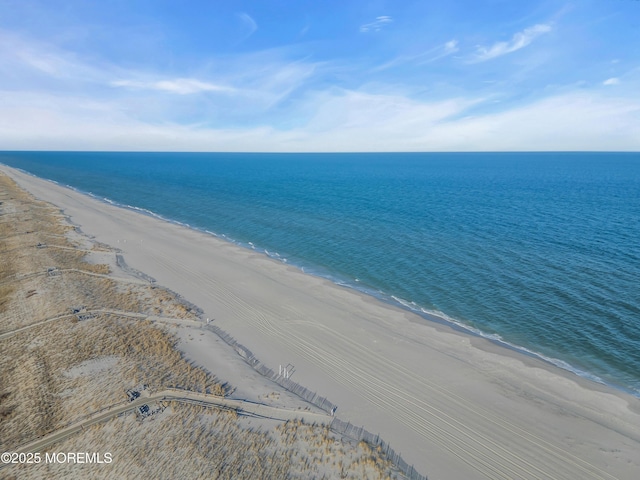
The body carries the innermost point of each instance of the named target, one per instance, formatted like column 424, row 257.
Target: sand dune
column 89, row 364
column 454, row 405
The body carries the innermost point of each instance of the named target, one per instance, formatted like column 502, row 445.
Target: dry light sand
column 455, row 406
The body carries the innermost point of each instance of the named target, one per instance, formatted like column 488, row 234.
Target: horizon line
column 284, row 152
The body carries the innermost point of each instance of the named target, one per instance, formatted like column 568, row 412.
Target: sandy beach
column 98, row 377
column 454, row 405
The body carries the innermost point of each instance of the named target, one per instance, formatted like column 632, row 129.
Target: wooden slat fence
column 338, row 426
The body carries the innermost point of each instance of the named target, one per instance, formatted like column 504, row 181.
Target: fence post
column 336, row 425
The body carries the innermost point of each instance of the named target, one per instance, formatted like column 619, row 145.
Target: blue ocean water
column 540, row 251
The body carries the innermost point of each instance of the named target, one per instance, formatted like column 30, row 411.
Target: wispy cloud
column 341, row 121
column 248, row 23
column 179, row 86
column 518, row 41
column 264, row 79
column 566, row 122
column 366, row 122
column 239, row 90
column 429, row 56
column 338, row 110
column 442, row 51
column 304, row 31
column 376, row 25
column 451, row 46
column 310, row 95
column 30, row 58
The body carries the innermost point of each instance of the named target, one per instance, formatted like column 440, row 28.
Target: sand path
column 183, row 396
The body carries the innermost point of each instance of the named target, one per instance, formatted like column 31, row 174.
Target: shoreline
column 429, row 316
column 472, row 415
column 111, row 361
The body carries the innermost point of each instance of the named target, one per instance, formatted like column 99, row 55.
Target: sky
column 298, row 76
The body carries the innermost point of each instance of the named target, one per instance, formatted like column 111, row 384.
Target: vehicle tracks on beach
column 473, row 439
column 414, row 401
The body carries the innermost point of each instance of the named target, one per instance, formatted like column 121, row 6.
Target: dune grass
column 56, row 373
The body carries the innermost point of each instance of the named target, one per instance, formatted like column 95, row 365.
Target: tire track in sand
column 475, row 445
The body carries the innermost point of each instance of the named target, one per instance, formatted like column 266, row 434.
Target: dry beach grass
column 67, row 352
column 192, row 442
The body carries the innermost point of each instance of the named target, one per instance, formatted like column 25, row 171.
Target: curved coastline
column 449, row 401
column 437, row 317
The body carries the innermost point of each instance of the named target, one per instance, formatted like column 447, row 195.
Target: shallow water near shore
column 538, row 250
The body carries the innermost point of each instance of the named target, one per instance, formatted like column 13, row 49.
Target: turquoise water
column 540, row 251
